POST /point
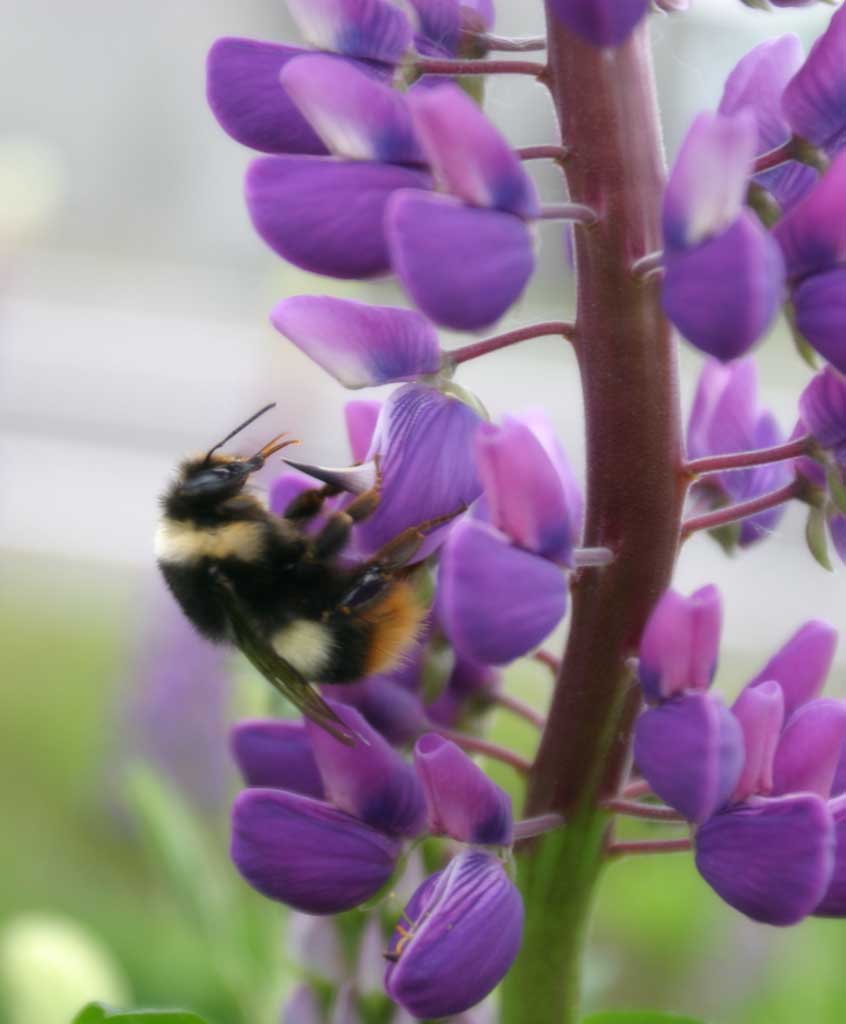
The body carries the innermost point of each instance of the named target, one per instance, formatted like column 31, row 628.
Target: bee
column 279, row 593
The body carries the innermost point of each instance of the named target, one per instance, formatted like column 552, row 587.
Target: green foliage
column 97, row 1013
column 638, row 1017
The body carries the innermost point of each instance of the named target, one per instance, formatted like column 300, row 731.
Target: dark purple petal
column 368, row 29
column 467, row 154
column 276, row 755
column 525, row 496
column 820, row 305
column 814, row 102
column 355, row 114
column 391, row 709
column 708, row 180
column 822, row 406
column 681, row 644
column 690, row 751
column 800, row 667
column 243, row 91
column 833, row 904
column 326, row 216
column 368, row 780
column 810, row 748
column 360, row 345
column 468, row 690
column 812, row 235
column 464, row 931
column 601, row 22
column 760, row 711
column 496, row 602
column 757, row 83
column 425, row 442
column 461, row 801
column 361, row 416
column 464, row 267
column 723, row 294
column 770, row 859
column 307, row 853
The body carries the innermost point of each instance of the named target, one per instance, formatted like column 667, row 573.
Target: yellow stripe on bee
column 182, row 543
column 305, row 644
column 395, row 621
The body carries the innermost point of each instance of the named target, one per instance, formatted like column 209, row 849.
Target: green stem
column 635, row 488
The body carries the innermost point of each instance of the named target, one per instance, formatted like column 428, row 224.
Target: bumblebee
column 261, row 582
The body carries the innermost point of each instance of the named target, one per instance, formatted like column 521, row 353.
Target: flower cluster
column 762, row 781
column 322, row 828
column 729, row 269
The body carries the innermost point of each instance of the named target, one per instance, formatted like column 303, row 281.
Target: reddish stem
column 578, row 212
column 507, row 45
column 519, row 707
column 551, row 662
column 481, row 348
column 437, row 66
column 559, row 153
column 742, row 460
column 640, row 787
column 475, row 745
column 775, row 157
column 632, row 809
column 744, row 509
column 643, row 846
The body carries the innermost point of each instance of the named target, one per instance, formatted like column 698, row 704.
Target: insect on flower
column 279, row 593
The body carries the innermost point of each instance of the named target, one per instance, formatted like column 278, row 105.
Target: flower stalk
column 482, row 348
column 743, row 460
column 557, row 153
column 447, row 66
column 742, row 510
column 640, row 847
column 635, row 490
column 632, row 809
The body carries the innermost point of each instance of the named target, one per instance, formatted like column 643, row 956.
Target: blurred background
column 134, row 302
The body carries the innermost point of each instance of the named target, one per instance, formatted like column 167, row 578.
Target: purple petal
column 800, row 667
column 358, row 344
column 833, row 904
column 690, row 751
column 814, row 102
column 465, row 932
column 368, row 29
column 540, row 425
column 326, row 216
column 368, row 780
column 468, row 690
column 723, row 294
column 243, row 91
column 723, row 413
column 464, row 267
column 810, row 748
column 355, row 114
column 757, row 83
column 837, row 530
column 812, row 235
column 390, row 708
column 361, row 416
column 772, row 859
column 496, row 602
column 461, row 801
column 439, row 25
column 820, row 305
column 276, row 755
column 681, row 643
column 744, row 484
column 307, row 853
column 822, row 406
column 526, row 499
column 468, row 155
column 600, row 22
column 760, row 711
column 838, row 787
column 708, row 180
column 425, row 442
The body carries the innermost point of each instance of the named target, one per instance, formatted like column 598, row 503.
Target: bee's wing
column 278, row 672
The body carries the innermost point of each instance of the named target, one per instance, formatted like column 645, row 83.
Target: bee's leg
column 402, row 548
column 308, row 503
column 336, row 533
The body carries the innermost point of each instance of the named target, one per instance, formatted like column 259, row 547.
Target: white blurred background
column 134, row 296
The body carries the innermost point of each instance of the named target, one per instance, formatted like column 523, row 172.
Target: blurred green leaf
column 638, row 1017
column 96, row 1013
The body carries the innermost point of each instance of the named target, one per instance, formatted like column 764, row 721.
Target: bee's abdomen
column 190, row 585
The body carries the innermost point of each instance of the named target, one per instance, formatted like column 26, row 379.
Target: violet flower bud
column 276, row 755
column 680, row 644
column 308, row 854
column 461, row 801
column 810, row 748
column 601, row 22
column 822, row 406
column 368, row 780
column 813, row 100
column 760, row 712
column 459, row 935
column 690, row 750
column 812, row 235
column 819, row 303
column 801, row 665
column 770, row 859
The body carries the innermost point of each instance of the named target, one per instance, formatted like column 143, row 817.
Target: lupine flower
column 459, row 935
column 468, row 690
column 822, row 406
column 724, row 274
column 464, row 258
column 756, row 83
column 501, row 585
column 322, row 857
column 601, row 22
column 725, row 417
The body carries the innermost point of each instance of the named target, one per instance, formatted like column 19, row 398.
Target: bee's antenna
column 238, row 430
